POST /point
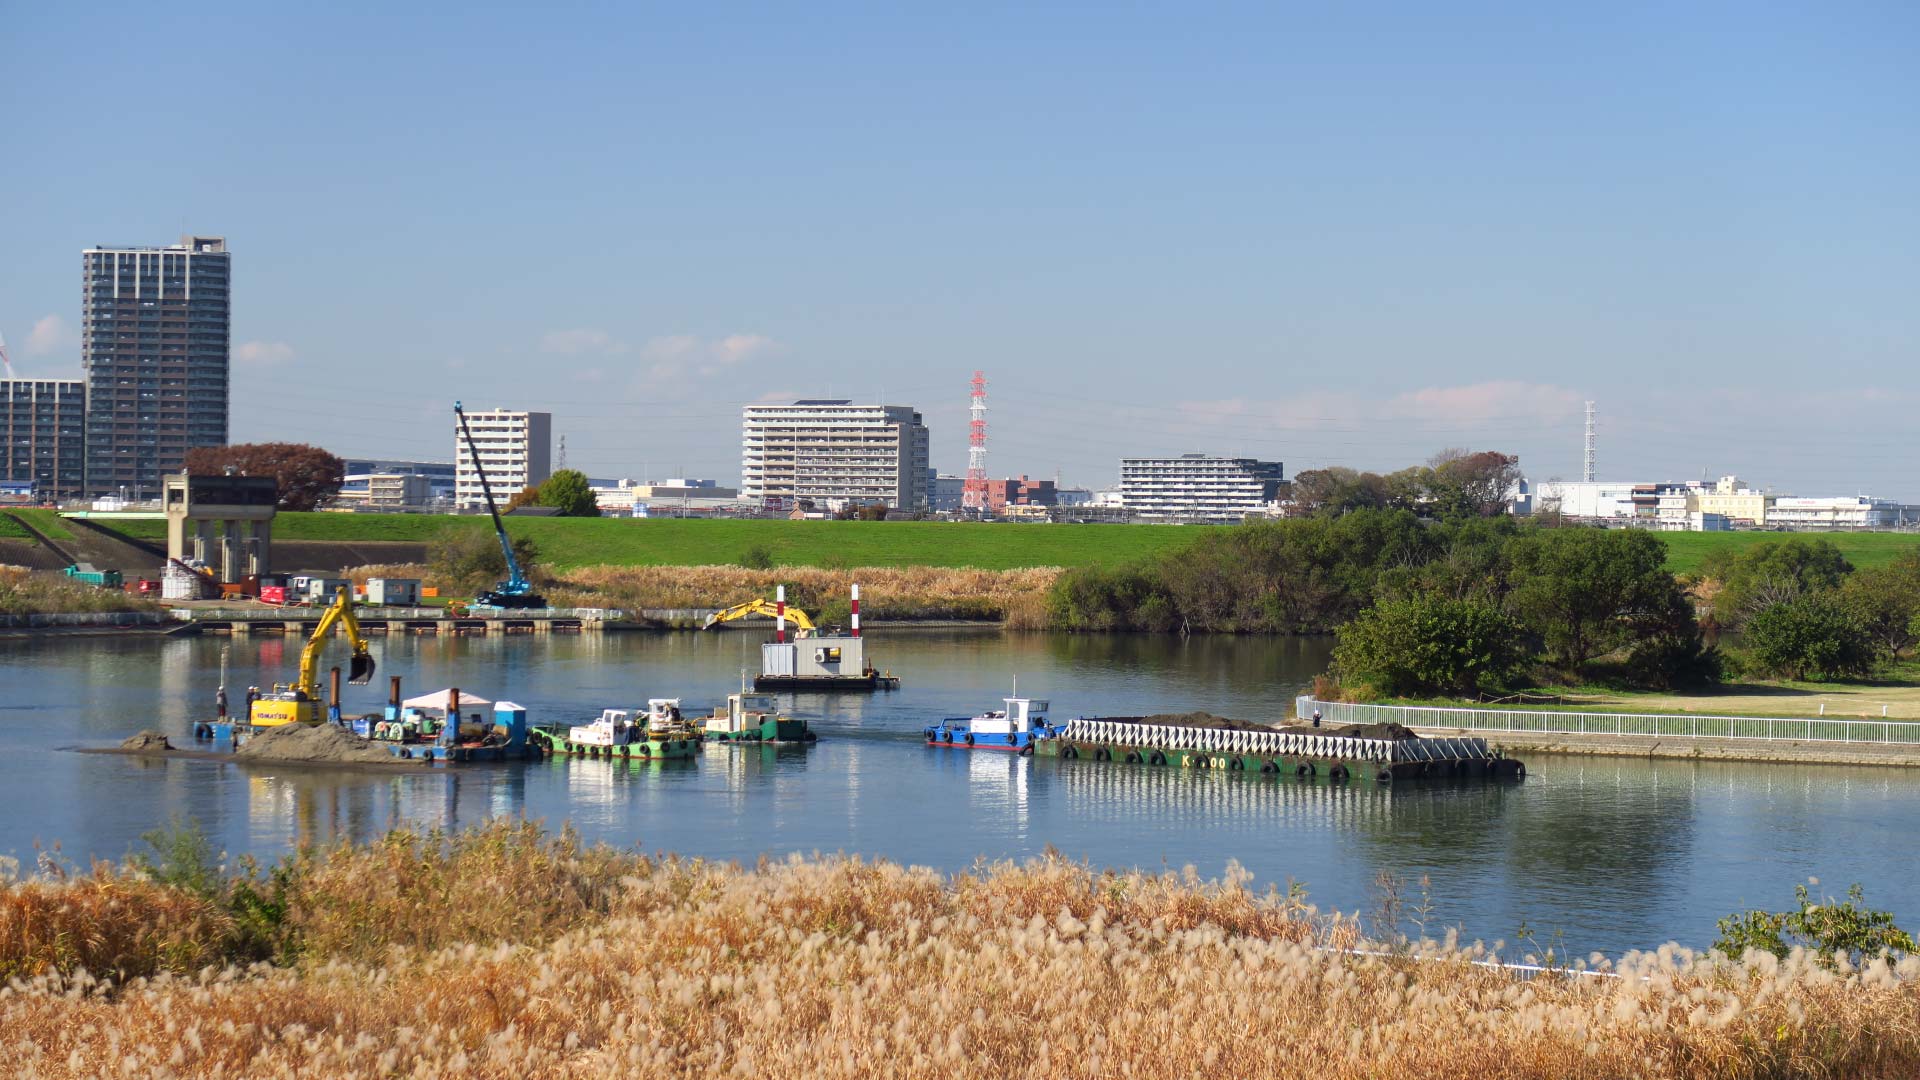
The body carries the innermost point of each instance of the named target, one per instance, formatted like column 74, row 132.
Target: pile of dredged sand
column 323, row 743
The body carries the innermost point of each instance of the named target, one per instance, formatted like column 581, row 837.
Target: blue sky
column 1327, row 234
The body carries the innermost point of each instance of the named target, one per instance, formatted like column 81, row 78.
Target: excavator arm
column 759, row 607
column 340, row 614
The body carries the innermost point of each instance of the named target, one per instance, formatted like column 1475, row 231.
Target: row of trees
column 1452, row 606
column 1453, row 483
column 1804, row 611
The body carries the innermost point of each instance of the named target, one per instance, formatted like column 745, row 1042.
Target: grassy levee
column 1687, row 551
column 11, row 529
column 505, row 953
column 49, row 523
column 575, row 542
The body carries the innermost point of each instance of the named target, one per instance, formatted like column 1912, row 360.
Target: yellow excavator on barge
column 298, row 702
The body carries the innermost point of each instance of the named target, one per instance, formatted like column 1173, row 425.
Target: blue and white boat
column 1014, row 728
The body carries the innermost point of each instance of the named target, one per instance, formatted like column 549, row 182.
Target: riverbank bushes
column 26, row 592
column 839, row 967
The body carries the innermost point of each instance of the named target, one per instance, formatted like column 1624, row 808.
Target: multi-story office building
column 516, row 450
column 43, row 436
column 154, row 353
column 832, row 453
column 438, row 475
column 1196, row 487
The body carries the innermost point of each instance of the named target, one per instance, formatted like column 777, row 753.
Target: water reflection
column 1617, row 853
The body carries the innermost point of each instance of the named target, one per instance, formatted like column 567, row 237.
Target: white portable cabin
column 393, row 592
column 840, row 656
column 321, row 588
column 1019, row 715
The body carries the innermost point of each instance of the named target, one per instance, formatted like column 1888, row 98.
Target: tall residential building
column 1196, row 487
column 154, row 340
column 43, row 435
column 834, row 452
column 516, row 449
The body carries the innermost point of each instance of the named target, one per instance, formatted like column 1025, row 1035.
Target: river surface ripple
column 1608, row 854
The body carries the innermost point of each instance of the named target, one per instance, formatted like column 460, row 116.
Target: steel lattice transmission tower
column 1588, row 472
column 974, row 495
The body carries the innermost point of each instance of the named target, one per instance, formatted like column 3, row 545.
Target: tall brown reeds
column 1016, row 597
column 844, row 968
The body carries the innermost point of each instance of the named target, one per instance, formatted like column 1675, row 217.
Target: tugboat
column 658, row 734
column 1014, row 728
column 752, row 718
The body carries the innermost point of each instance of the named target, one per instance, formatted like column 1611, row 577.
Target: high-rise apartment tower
column 833, row 452
column 516, row 450
column 154, row 348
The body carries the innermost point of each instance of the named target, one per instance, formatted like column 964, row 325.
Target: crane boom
column 299, row 702
column 516, row 591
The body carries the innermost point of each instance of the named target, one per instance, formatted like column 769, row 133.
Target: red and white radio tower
column 974, row 495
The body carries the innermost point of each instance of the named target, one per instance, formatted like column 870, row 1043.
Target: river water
column 1605, row 854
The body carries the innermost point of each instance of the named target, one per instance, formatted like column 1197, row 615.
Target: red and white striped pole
column 780, row 613
column 856, row 609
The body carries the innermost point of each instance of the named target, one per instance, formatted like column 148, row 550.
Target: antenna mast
column 973, row 496
column 5, row 360
column 1589, row 471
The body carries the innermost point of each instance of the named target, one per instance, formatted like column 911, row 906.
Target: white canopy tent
column 441, row 700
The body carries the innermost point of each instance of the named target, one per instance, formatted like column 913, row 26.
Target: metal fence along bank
column 1550, row 722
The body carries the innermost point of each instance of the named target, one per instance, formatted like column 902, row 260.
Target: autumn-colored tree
column 306, row 475
column 526, row 496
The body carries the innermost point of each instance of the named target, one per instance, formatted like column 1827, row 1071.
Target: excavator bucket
column 361, row 671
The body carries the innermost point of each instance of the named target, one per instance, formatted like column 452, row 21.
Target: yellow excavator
column 803, row 626
column 299, row 702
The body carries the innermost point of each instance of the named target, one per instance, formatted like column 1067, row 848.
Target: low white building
column 1846, row 512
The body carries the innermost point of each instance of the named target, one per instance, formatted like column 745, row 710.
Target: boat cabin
column 742, row 711
column 1021, row 714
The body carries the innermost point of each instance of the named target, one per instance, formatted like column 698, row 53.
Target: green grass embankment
column 574, row 542
column 1687, row 551
column 48, row 522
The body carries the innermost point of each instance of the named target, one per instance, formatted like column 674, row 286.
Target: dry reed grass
column 845, row 968
column 1016, row 597
column 28, row 592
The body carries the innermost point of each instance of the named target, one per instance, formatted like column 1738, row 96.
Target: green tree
column 1810, row 636
column 1430, row 645
column 1582, row 590
column 466, row 558
column 1829, row 927
column 567, row 491
column 1669, row 651
column 1770, row 572
column 1885, row 600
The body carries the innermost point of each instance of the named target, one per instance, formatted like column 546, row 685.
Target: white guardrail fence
column 1683, row 725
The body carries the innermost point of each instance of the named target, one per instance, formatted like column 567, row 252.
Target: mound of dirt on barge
column 1203, row 720
column 146, row 740
column 321, row 744
column 1391, row 732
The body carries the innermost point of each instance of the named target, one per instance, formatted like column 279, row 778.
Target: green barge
column 1274, row 752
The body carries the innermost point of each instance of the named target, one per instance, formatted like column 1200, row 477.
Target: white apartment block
column 1196, row 487
column 833, row 452
column 516, row 450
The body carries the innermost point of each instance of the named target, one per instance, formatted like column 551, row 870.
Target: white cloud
column 50, row 333
column 263, row 353
column 679, row 355
column 573, row 342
